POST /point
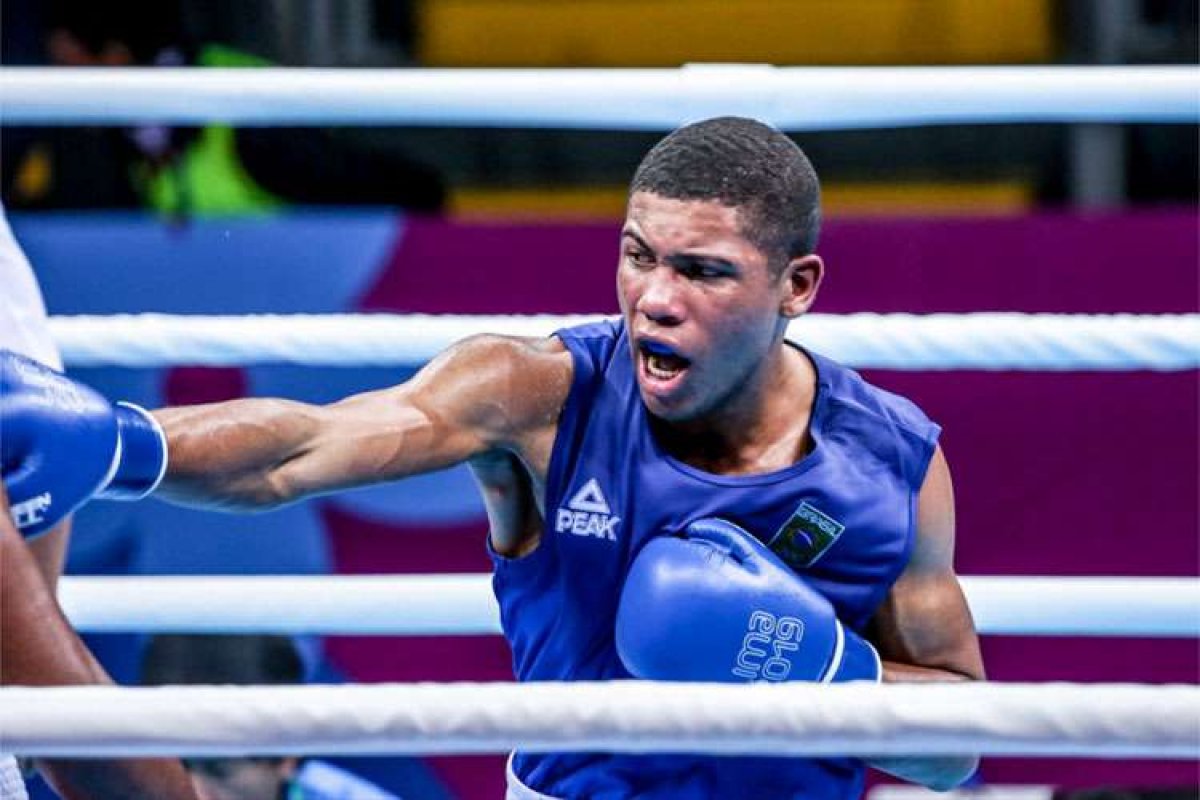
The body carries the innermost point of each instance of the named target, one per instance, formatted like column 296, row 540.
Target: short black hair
column 243, row 660
column 144, row 28
column 743, row 164
column 221, row 659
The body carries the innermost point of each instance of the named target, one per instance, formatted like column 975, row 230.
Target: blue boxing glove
column 719, row 606
column 61, row 444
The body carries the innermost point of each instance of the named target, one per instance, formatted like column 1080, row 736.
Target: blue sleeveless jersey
column 842, row 517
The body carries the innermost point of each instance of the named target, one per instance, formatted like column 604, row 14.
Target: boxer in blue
column 680, row 494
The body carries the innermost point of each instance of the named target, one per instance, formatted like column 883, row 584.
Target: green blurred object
column 206, row 178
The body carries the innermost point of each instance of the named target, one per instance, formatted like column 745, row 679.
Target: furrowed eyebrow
column 639, row 240
column 683, row 260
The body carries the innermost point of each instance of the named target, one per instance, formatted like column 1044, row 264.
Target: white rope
column 633, row 99
column 626, row 716
column 412, row 605
column 993, row 341
column 464, row 605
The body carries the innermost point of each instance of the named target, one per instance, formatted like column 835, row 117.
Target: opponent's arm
column 49, row 552
column 924, row 630
column 485, row 393
column 39, row 648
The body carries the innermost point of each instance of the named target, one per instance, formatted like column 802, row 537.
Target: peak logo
column 587, row 514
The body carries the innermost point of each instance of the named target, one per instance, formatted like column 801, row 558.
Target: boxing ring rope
column 791, row 98
column 1096, row 720
column 994, row 341
column 463, row 605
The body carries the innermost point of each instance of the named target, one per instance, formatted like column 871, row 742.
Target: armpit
column 514, row 516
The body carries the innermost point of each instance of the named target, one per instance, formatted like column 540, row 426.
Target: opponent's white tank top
column 23, row 325
column 23, row 328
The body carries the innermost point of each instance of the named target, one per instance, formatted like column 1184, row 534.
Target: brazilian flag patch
column 806, row 536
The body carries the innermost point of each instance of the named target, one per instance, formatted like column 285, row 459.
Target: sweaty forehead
column 669, row 224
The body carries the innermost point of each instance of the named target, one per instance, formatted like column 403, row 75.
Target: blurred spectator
column 248, row 660
column 183, row 172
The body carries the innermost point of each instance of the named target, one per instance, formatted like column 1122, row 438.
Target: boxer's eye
column 639, row 258
column 699, row 268
column 701, row 272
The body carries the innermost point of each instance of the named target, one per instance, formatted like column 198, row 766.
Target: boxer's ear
column 800, row 281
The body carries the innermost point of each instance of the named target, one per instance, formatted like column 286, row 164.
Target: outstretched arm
column 924, row 630
column 482, row 394
column 39, row 648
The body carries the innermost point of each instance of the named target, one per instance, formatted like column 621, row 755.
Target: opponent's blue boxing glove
column 61, row 444
column 719, row 606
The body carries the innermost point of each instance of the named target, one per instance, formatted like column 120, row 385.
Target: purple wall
column 1056, row 473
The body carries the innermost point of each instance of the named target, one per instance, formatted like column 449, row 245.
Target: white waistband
column 12, row 786
column 518, row 790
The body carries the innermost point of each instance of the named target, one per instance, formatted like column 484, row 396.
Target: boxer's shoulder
column 508, row 391
column 851, row 393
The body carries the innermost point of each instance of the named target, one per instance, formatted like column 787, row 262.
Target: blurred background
column 480, row 173
column 1056, row 473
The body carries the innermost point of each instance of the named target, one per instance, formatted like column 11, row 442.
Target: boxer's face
column 701, row 304
column 243, row 779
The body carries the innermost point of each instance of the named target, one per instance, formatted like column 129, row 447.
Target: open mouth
column 661, row 362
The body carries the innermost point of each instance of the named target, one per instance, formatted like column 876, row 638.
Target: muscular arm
column 39, row 648
column 924, row 630
column 50, row 552
column 484, row 394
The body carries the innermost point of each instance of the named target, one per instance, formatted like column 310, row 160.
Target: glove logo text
column 767, row 647
column 587, row 514
column 31, row 511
